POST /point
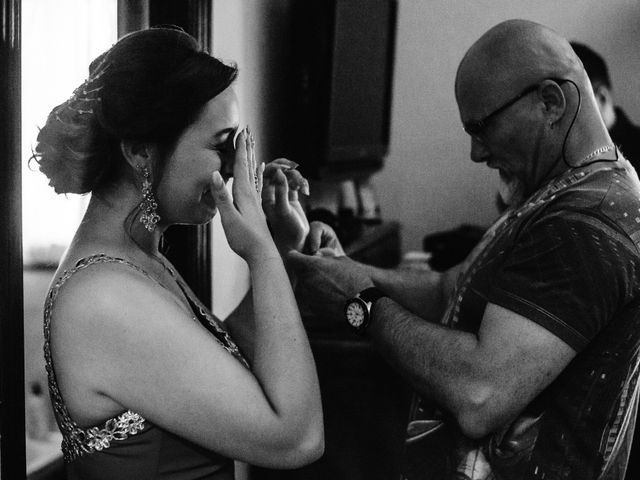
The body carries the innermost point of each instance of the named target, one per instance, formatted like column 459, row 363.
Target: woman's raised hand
column 281, row 203
column 242, row 217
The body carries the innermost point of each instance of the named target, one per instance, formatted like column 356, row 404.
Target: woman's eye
column 220, row 147
column 224, row 147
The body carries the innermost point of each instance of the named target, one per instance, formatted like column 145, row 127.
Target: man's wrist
column 358, row 310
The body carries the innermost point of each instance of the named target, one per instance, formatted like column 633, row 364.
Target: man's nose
column 479, row 151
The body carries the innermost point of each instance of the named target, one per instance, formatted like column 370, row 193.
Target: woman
column 145, row 382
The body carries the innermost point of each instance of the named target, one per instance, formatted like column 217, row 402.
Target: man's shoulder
column 609, row 201
column 614, row 185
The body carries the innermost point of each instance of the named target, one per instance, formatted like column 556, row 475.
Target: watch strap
column 370, row 295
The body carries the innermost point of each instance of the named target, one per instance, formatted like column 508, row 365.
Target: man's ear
column 137, row 154
column 603, row 95
column 555, row 101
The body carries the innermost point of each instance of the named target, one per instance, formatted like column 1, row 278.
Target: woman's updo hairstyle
column 149, row 86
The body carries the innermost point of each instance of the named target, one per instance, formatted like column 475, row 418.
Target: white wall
column 252, row 33
column 429, row 183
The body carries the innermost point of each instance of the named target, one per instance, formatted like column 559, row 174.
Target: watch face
column 355, row 314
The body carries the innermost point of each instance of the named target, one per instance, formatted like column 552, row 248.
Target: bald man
column 524, row 357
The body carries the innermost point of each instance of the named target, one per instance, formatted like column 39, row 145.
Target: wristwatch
column 357, row 310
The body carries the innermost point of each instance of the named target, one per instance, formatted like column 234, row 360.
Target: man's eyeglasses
column 474, row 128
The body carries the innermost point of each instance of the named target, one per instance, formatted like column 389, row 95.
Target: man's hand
column 281, row 204
column 326, row 282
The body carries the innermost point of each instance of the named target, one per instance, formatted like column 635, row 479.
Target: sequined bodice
column 78, row 441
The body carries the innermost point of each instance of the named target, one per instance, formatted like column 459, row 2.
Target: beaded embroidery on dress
column 78, row 441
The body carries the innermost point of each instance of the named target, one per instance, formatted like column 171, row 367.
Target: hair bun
column 148, row 86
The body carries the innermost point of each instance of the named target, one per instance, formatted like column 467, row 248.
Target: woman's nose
column 226, row 169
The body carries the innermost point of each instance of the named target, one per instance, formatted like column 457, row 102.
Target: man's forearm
column 435, row 360
column 422, row 292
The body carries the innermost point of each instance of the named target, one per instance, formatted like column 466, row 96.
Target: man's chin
column 510, row 193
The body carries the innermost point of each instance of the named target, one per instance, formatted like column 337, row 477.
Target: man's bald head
column 511, row 56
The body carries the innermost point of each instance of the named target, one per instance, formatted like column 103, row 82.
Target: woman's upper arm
column 144, row 351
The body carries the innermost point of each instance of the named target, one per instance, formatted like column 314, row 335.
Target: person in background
column 525, row 355
column 145, row 382
column 624, row 133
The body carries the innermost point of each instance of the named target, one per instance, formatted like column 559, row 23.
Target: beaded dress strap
column 77, row 441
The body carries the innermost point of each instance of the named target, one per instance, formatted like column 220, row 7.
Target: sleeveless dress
column 128, row 446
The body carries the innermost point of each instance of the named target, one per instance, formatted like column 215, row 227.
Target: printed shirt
column 568, row 259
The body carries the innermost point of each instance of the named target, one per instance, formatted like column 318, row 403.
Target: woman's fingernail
column 217, row 180
column 305, row 188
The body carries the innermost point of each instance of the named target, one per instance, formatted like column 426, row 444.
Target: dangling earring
column 148, row 205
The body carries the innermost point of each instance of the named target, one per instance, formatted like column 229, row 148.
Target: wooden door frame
column 12, row 446
column 189, row 246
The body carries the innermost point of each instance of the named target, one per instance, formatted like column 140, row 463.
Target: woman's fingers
column 260, row 178
column 297, row 181
column 240, row 161
column 294, row 177
column 285, row 162
column 268, row 195
column 314, row 238
column 247, row 146
column 281, row 192
column 221, row 196
column 251, row 158
column 245, row 181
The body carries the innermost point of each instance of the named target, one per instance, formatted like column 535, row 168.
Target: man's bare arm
column 484, row 380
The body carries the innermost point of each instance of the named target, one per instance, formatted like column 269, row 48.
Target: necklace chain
column 596, row 152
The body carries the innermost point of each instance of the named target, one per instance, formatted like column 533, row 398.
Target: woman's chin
column 206, row 216
column 200, row 215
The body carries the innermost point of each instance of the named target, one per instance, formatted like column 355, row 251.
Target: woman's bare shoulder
column 101, row 287
column 103, row 321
